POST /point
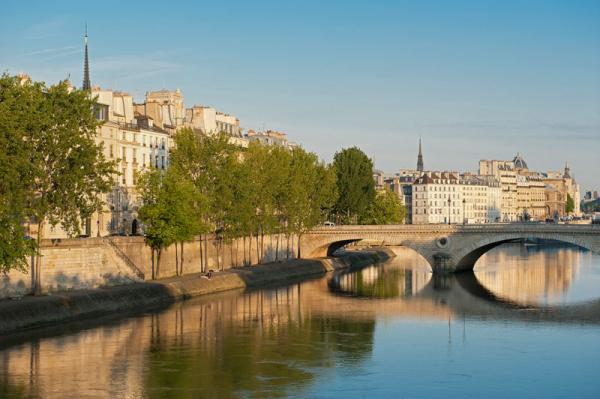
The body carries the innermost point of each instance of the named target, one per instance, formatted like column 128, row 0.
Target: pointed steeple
column 86, row 65
column 420, row 158
column 567, row 170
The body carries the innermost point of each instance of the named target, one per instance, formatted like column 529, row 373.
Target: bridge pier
column 442, row 264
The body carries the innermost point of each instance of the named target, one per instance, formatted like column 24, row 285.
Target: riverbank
column 32, row 312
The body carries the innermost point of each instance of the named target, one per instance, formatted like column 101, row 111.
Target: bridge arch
column 467, row 257
column 447, row 248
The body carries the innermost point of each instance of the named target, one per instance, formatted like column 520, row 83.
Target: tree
column 355, row 184
column 169, row 211
column 386, row 209
column 17, row 103
column 570, row 205
column 62, row 170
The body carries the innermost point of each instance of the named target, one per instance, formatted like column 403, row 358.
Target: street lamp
column 449, row 202
column 464, row 216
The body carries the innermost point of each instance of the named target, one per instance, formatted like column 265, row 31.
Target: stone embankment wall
column 38, row 311
column 72, row 264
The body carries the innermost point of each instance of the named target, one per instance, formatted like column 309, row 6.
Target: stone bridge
column 447, row 248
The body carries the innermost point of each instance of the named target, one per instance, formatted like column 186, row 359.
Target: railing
column 489, row 227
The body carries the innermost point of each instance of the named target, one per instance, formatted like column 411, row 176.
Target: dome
column 520, row 162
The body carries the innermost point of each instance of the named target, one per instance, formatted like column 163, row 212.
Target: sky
column 474, row 79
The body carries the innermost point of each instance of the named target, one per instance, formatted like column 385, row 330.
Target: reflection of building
column 546, row 278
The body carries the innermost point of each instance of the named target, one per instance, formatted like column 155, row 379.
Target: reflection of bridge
column 447, row 248
column 460, row 295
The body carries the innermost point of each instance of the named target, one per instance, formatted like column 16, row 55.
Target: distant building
column 270, row 137
column 208, row 120
column 506, row 173
column 448, row 197
column 165, row 108
column 568, row 187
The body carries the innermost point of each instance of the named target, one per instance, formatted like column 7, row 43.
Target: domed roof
column 520, row 162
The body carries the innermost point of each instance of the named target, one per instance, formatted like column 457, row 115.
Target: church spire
column 86, row 65
column 420, row 158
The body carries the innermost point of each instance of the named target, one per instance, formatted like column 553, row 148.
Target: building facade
column 448, row 197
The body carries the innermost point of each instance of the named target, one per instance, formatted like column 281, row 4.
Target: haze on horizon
column 474, row 79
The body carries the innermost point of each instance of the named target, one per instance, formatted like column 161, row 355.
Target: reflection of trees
column 546, row 275
column 389, row 281
column 259, row 346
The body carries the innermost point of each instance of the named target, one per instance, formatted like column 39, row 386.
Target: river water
column 525, row 324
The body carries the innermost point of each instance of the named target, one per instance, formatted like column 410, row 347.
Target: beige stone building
column 165, row 108
column 506, row 174
column 566, row 185
column 448, row 197
column 274, row 137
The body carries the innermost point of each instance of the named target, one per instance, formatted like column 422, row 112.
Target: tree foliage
column 249, row 192
column 172, row 210
column 570, row 204
column 385, row 209
column 355, row 184
column 56, row 171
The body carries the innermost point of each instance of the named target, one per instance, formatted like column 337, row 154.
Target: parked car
column 328, row 223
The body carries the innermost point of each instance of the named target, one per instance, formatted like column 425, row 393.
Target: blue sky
column 474, row 79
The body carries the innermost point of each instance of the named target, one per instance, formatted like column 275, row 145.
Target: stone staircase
column 124, row 258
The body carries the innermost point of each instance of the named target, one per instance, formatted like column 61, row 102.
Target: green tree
column 386, row 209
column 570, row 204
column 210, row 163
column 66, row 171
column 17, row 119
column 355, row 184
column 170, row 211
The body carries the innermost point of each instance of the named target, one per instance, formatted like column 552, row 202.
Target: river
column 525, row 324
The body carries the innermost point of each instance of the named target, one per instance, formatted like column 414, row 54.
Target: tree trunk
column 257, row 250
column 250, row 250
column 181, row 260
column 298, row 249
column 277, row 247
column 262, row 246
column 158, row 253
column 201, row 256
column 153, row 272
column 287, row 249
column 244, row 250
column 37, row 289
column 176, row 260
column 206, row 265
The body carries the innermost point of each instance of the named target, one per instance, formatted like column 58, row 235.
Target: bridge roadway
column 447, row 248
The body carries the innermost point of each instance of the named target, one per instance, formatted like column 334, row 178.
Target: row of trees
column 212, row 186
column 52, row 170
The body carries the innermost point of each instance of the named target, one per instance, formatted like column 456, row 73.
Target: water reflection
column 535, row 275
column 296, row 340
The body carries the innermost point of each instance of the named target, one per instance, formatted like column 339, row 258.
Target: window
column 144, row 160
column 112, row 152
column 124, row 157
column 163, row 162
column 124, row 136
